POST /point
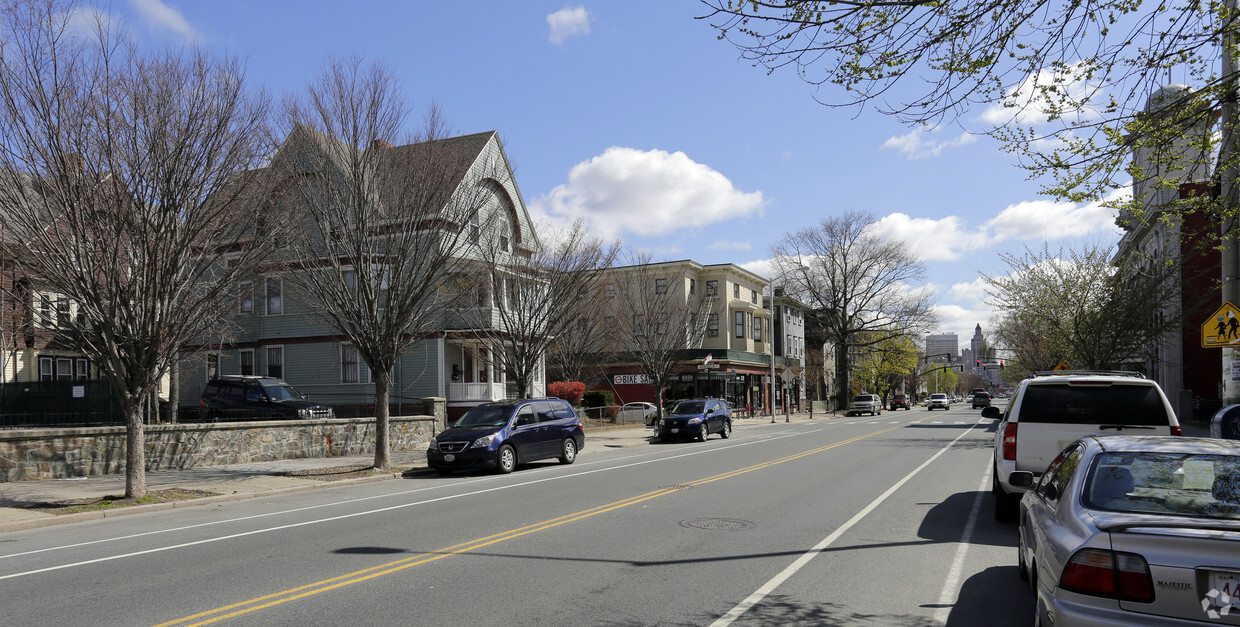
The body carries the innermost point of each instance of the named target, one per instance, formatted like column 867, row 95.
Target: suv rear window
column 1113, row 404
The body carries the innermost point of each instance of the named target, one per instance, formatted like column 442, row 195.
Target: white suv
column 866, row 404
column 1051, row 410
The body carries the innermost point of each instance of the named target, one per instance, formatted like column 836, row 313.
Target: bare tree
column 1070, row 81
column 119, row 194
column 539, row 298
column 1079, row 307
column 858, row 285
column 656, row 320
column 373, row 229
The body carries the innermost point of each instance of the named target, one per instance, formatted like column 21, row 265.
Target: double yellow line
column 292, row 594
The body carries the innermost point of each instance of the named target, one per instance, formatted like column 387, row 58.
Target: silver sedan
column 1134, row 530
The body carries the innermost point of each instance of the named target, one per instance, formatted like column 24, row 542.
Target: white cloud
column 1030, row 102
column 1047, row 219
column 161, row 16
column 932, row 240
column 653, row 192
column 923, row 143
column 973, row 292
column 568, row 22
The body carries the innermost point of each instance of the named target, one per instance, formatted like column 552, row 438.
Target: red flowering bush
column 571, row 391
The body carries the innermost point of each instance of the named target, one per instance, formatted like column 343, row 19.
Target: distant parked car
column 645, row 413
column 1133, row 530
column 503, row 434
column 900, row 401
column 697, row 418
column 244, row 396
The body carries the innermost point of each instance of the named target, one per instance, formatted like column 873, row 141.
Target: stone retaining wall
column 63, row 453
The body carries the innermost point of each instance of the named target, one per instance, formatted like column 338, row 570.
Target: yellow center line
column 292, row 594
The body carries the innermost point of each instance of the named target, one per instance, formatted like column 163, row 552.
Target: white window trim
column 267, row 362
column 267, row 296
column 240, row 361
column 363, row 376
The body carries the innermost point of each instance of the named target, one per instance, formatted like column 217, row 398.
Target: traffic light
column 978, row 362
column 1001, row 364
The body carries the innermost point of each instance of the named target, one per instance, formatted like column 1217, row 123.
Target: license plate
column 449, row 457
column 675, row 430
column 1228, row 583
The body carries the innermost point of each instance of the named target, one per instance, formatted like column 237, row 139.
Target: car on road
column 645, row 413
column 865, row 404
column 981, row 399
column 900, row 401
column 503, row 434
column 1134, row 530
column 253, row 397
column 1050, row 410
column 938, row 400
column 697, row 418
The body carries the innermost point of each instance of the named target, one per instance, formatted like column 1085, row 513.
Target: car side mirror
column 1021, row 479
column 991, row 412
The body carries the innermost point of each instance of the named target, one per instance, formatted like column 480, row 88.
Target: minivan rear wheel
column 568, row 451
column 506, row 459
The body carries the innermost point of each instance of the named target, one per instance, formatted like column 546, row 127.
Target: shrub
column 571, row 391
column 598, row 398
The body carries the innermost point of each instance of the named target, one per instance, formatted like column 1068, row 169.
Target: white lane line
column 770, row 586
column 947, row 597
column 380, row 510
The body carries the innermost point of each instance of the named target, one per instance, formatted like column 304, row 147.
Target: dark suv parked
column 243, row 396
column 697, row 418
column 503, row 434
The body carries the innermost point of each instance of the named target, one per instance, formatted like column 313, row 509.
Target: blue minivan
column 503, row 434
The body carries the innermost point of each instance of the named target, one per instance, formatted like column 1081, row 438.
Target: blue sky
column 632, row 115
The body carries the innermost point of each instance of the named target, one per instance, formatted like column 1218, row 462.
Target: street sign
column 1222, row 328
column 708, row 366
column 1063, row 365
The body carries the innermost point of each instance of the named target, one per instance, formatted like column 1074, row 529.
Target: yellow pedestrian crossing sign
column 1222, row 328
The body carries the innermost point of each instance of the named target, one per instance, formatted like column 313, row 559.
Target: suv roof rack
column 1111, row 373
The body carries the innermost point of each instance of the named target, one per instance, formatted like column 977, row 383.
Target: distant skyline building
column 946, row 343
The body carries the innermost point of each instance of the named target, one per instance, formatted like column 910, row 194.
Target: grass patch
column 339, row 473
column 77, row 506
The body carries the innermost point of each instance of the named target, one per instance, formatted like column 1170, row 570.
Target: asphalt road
column 862, row 521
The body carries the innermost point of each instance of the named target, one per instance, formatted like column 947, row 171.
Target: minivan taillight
column 1099, row 572
column 1009, row 441
column 1176, row 430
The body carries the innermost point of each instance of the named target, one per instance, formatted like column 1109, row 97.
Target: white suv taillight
column 1125, row 576
column 1009, row 441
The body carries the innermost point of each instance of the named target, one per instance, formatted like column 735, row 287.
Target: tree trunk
column 843, row 388
column 383, row 448
column 135, row 450
column 174, row 390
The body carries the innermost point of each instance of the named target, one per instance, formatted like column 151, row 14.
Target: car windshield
column 688, row 407
column 864, row 398
column 283, row 393
column 938, row 396
column 486, row 416
column 1201, row 486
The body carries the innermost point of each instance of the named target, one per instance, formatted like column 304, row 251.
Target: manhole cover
column 717, row 524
